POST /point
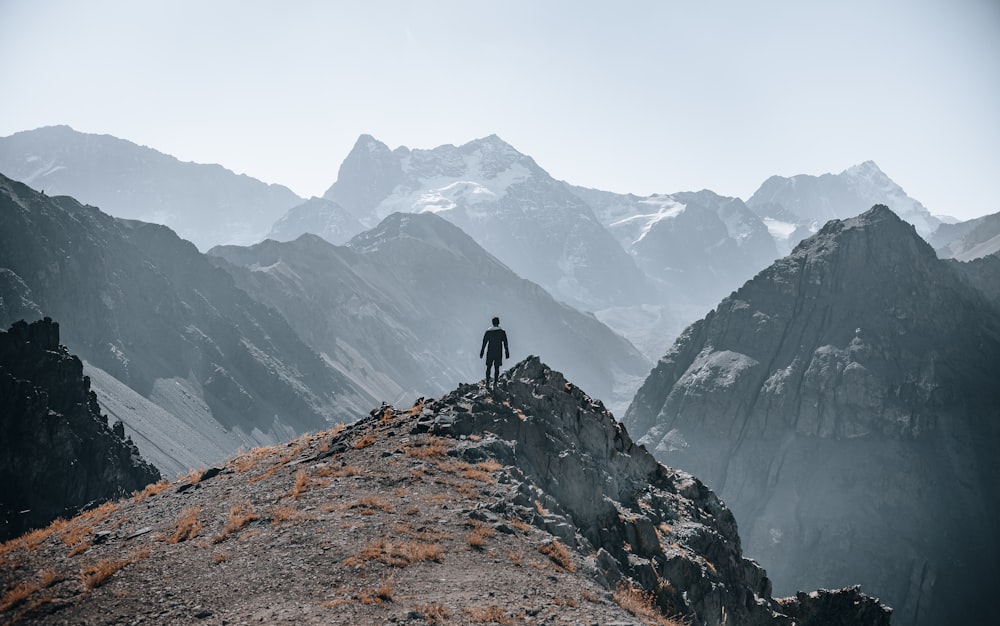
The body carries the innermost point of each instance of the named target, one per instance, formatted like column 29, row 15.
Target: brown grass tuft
column 364, row 442
column 221, row 557
column 491, row 614
column 642, row 604
column 478, row 536
column 302, row 484
column 240, row 516
column 372, row 502
column 281, row 514
column 433, row 613
column 151, row 490
column 559, row 555
column 21, row 592
column 95, row 575
column 396, row 554
column 328, row 471
column 433, row 448
column 187, row 527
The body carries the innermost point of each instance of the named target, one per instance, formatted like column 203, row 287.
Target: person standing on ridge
column 494, row 340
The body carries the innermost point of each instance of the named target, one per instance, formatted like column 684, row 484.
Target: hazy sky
column 639, row 97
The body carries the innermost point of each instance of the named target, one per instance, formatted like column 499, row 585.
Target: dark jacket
column 494, row 340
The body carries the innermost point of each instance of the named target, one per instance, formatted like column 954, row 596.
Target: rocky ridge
column 57, row 451
column 525, row 504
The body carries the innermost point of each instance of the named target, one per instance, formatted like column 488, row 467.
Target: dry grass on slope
column 320, row 530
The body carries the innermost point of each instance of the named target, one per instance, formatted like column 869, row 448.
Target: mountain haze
column 968, row 240
column 401, row 310
column 791, row 204
column 205, row 204
column 844, row 404
column 504, row 201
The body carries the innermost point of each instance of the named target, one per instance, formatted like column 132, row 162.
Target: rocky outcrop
column 844, row 405
column 57, row 452
column 581, row 477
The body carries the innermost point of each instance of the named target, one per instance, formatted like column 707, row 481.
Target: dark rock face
column 57, row 452
column 983, row 274
column 205, row 204
column 844, row 404
column 585, row 480
column 145, row 306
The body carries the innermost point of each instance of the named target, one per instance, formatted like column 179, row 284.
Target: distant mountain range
column 646, row 266
column 401, row 310
column 844, row 403
column 792, row 207
column 504, row 201
column 965, row 241
column 205, row 204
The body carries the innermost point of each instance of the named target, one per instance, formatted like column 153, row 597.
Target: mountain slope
column 146, row 307
column 205, row 204
column 57, row 452
column 969, row 240
column 402, row 309
column 504, row 201
column 320, row 217
column 844, row 404
column 528, row 504
column 837, row 196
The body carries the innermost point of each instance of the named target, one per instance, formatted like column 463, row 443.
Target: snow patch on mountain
column 476, row 184
column 781, row 231
column 641, row 223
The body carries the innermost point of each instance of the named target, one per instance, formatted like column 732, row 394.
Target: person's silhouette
column 494, row 346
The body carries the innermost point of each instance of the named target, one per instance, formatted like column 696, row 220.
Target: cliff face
column 844, row 405
column 57, row 452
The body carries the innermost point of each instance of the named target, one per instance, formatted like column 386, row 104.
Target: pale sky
column 642, row 97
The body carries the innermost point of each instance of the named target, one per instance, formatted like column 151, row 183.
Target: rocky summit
column 844, row 404
column 525, row 504
column 57, row 451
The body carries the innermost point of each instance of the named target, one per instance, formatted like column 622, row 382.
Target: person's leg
column 496, row 373
column 488, row 372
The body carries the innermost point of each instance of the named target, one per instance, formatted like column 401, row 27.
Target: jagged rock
column 591, row 485
column 57, row 453
column 844, row 405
